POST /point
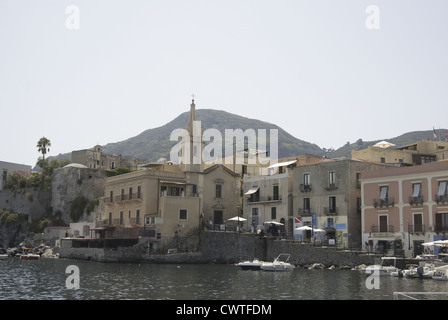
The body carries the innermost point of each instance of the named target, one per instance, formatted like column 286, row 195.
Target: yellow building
column 413, row 154
column 166, row 200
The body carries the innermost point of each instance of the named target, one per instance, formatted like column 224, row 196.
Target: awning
column 251, row 191
column 282, row 164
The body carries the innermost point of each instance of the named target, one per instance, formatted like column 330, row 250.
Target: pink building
column 404, row 207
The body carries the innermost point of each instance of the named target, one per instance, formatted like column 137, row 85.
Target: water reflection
column 45, row 279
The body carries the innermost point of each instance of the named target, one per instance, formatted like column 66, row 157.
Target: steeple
column 191, row 117
column 193, row 161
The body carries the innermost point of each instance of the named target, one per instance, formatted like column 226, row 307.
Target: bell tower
column 193, row 161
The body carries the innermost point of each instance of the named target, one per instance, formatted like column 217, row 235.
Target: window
column 306, row 179
column 332, row 204
column 441, row 193
column 358, row 179
column 182, row 214
column 416, row 188
column 137, row 216
column 383, row 224
column 275, row 193
column 306, row 205
column 139, row 192
column 384, row 194
column 121, row 217
column 174, row 191
column 218, row 190
column 418, row 222
column 383, row 160
column 110, row 218
column 130, row 193
column 122, row 194
column 255, row 211
column 111, row 196
column 331, row 179
column 273, row 212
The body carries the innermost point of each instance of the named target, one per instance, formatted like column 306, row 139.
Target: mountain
column 402, row 140
column 153, row 144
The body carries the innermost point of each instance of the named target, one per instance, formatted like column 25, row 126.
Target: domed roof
column 75, row 165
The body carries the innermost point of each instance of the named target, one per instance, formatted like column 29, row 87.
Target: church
column 166, row 200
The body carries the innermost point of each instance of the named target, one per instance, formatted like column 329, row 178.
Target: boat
column 29, row 256
column 250, row 265
column 440, row 273
column 388, row 266
column 279, row 264
column 3, row 256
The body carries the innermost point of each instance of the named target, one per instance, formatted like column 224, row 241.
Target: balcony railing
column 264, row 199
column 416, row 201
column 417, row 228
column 304, row 211
column 124, row 197
column 331, row 186
column 382, row 228
column 441, row 199
column 440, row 228
column 330, row 211
column 383, row 203
column 305, row 188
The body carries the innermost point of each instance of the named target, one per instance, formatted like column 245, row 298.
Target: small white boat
column 440, row 273
column 29, row 256
column 250, row 265
column 3, row 256
column 279, row 264
column 386, row 267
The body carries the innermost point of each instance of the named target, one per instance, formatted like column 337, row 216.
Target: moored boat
column 279, row 264
column 29, row 256
column 386, row 267
column 3, row 256
column 250, row 265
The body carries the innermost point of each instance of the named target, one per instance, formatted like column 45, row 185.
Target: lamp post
column 238, row 215
column 409, row 239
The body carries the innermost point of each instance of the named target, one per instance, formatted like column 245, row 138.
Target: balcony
column 331, row 211
column 267, row 199
column 305, row 188
column 331, row 186
column 384, row 203
column 441, row 199
column 416, row 201
column 382, row 230
column 440, row 228
column 124, row 197
column 304, row 211
column 417, row 228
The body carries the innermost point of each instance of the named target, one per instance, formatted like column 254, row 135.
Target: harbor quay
column 214, row 247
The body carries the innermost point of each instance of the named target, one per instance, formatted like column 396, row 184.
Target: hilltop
column 155, row 143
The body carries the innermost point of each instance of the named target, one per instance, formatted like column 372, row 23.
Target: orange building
column 404, row 207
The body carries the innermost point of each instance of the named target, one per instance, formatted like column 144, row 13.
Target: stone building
column 94, row 158
column 7, row 168
column 327, row 196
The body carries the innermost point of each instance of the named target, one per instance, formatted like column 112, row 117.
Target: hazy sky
column 309, row 66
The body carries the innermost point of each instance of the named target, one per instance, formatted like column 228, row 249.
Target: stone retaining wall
column 227, row 248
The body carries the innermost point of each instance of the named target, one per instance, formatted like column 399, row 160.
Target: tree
column 43, row 147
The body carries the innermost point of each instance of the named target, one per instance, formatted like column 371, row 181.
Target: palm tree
column 43, row 147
